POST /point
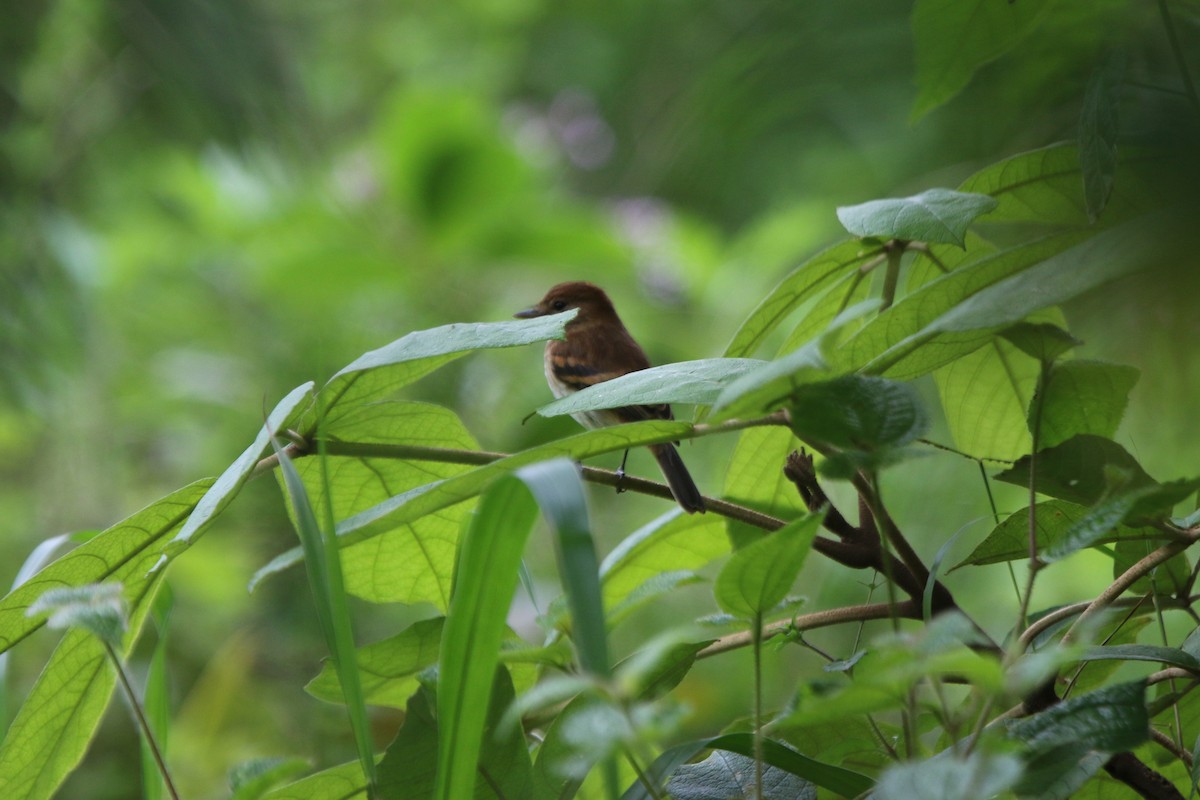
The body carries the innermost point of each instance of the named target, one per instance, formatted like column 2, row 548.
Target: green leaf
column 901, row 342
column 123, row 553
column 95, row 607
column 844, row 782
column 724, row 774
column 985, row 396
column 674, row 542
column 858, row 412
column 251, row 780
column 697, row 382
column 388, row 668
column 284, row 416
column 805, row 282
column 934, row 216
column 423, row 500
column 558, row 489
column 1038, row 186
column 755, row 476
column 948, row 777
column 51, row 732
column 1108, row 720
column 1043, row 341
column 486, row 579
column 953, row 39
column 1141, row 652
column 1105, row 518
column 1009, row 541
column 1079, row 470
column 322, row 558
column 757, row 577
column 411, row 562
column 764, row 389
column 343, row 782
column 1098, row 130
column 853, row 290
column 409, row 767
column 1085, row 397
column 1114, row 253
column 381, row 372
column 1167, row 579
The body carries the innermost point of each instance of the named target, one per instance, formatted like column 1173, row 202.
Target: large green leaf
column 1009, row 541
column 755, row 476
column 696, row 382
column 934, row 216
column 758, row 576
column 844, row 782
column 1098, row 131
column 858, row 412
column 343, row 782
column 411, row 562
column 322, row 558
column 671, row 543
column 381, row 372
column 487, row 578
column 1080, row 470
column 55, row 724
column 1061, row 739
column 953, row 38
column 950, row 777
column 985, row 396
column 723, row 774
column 409, row 767
column 389, row 667
column 1113, row 253
column 485, row 581
column 125, row 552
column 284, row 416
column 1084, row 397
column 804, row 283
column 890, row 344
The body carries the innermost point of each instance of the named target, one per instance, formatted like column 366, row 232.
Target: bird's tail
column 678, row 478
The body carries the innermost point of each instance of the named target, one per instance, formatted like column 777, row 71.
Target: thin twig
column 806, row 622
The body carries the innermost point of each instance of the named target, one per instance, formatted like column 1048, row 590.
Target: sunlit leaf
column 673, row 543
column 430, row 498
column 125, row 553
column 985, row 396
column 411, row 562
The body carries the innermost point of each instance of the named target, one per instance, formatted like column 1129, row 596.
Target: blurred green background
column 204, row 203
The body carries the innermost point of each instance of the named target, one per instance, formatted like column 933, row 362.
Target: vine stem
column 142, row 722
column 756, row 635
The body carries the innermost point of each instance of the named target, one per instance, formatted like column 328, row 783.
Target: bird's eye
column 559, row 305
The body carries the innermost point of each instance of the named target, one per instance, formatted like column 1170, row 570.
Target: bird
column 598, row 348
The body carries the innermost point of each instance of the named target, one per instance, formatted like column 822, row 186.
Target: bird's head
column 589, row 298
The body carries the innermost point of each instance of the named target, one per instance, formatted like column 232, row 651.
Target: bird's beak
column 529, row 313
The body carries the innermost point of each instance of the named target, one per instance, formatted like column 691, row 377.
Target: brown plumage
column 598, row 348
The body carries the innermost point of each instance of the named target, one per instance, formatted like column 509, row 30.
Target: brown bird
column 597, row 349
